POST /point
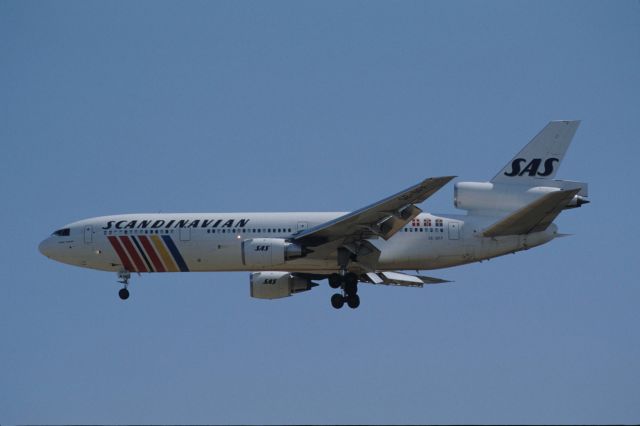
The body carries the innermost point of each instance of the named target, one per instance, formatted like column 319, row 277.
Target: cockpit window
column 62, row 232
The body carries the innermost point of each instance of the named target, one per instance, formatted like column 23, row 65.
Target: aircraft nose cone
column 45, row 247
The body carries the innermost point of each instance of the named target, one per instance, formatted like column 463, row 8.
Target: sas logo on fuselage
column 532, row 168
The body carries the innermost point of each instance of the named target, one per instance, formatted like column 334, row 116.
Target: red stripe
column 134, row 254
column 151, row 253
column 121, row 253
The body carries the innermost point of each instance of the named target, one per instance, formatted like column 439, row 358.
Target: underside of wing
column 399, row 279
column 533, row 217
column 382, row 219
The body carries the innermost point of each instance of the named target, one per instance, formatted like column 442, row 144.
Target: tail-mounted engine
column 261, row 252
column 491, row 197
column 277, row 284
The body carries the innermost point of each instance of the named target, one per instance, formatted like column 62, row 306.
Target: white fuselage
column 287, row 252
column 213, row 242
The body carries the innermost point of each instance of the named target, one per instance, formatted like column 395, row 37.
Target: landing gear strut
column 335, row 281
column 348, row 281
column 349, row 284
column 123, row 278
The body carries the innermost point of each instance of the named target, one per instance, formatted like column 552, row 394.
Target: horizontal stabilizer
column 533, row 217
column 399, row 279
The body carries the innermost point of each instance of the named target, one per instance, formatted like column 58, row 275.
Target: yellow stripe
column 164, row 254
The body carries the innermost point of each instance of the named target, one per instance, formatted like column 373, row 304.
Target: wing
column 399, row 279
column 382, row 219
column 533, row 217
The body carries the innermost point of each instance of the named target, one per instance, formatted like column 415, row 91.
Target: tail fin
column 540, row 158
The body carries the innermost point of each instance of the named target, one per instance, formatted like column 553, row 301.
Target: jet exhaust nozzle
column 577, row 201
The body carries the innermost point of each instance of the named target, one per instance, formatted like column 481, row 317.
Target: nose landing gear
column 123, row 278
column 123, row 293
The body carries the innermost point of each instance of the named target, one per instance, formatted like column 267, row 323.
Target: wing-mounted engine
column 261, row 252
column 277, row 284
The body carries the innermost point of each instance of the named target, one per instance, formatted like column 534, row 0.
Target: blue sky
column 114, row 107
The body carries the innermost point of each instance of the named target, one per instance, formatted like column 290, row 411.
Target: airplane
column 286, row 253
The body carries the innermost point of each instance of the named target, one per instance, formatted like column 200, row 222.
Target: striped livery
column 154, row 253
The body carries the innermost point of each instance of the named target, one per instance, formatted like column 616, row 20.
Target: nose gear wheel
column 123, row 278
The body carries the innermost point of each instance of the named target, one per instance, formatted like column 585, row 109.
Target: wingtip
column 568, row 122
column 444, row 179
column 431, row 280
column 438, row 282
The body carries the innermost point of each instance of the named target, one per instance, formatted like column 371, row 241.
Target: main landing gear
column 123, row 278
column 349, row 284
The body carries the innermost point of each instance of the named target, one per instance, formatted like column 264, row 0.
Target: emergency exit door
column 454, row 230
column 88, row 234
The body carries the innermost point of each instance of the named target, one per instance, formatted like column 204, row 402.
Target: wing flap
column 534, row 217
column 375, row 279
column 399, row 279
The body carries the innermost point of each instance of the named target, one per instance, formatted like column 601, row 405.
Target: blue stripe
column 176, row 254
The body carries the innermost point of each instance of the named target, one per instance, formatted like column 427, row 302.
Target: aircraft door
column 88, row 234
column 302, row 226
column 185, row 234
column 454, row 230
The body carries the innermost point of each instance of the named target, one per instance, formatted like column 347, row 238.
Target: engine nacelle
column 260, row 252
column 491, row 197
column 277, row 284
